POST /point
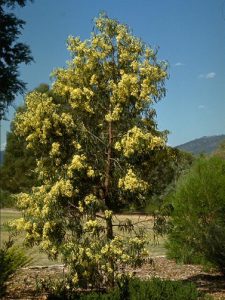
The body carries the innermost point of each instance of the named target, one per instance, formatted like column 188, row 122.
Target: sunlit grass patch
column 38, row 258
column 143, row 222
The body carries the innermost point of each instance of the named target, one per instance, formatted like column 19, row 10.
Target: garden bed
column 23, row 284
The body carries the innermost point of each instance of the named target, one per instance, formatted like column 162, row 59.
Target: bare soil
column 23, row 284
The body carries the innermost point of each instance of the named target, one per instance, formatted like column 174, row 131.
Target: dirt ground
column 22, row 284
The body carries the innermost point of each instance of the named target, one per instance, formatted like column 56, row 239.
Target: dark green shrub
column 197, row 223
column 157, row 289
column 11, row 259
column 6, row 199
column 136, row 289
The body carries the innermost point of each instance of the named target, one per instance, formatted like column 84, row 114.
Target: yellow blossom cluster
column 108, row 214
column 61, row 187
column 132, row 183
column 127, row 86
column 55, row 149
column 136, row 140
column 92, row 226
column 39, row 119
column 78, row 163
column 90, row 199
column 90, row 172
column 115, row 114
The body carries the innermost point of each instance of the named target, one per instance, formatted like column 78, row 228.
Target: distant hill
column 205, row 144
column 1, row 156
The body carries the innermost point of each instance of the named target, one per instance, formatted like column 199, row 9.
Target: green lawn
column 155, row 247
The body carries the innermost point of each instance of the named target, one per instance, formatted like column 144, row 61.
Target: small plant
column 157, row 289
column 11, row 259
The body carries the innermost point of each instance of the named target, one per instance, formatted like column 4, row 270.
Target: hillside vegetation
column 205, row 144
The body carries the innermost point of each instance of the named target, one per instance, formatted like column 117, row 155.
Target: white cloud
column 2, row 146
column 179, row 64
column 209, row 75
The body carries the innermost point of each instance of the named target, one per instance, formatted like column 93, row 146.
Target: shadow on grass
column 208, row 283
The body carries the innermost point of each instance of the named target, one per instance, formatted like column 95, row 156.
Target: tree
column 91, row 139
column 165, row 167
column 17, row 171
column 12, row 54
column 198, row 228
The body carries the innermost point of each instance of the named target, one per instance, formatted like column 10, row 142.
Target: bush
column 197, row 221
column 6, row 199
column 11, row 259
column 136, row 289
column 157, row 289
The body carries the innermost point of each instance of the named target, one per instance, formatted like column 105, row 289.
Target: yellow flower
column 108, row 214
column 132, row 183
column 75, row 279
column 90, row 172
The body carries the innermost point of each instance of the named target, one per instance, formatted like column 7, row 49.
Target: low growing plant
column 135, row 289
column 11, row 259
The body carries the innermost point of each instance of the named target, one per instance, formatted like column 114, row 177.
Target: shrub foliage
column 198, row 223
column 11, row 259
column 132, row 289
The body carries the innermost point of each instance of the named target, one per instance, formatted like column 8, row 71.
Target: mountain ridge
column 205, row 144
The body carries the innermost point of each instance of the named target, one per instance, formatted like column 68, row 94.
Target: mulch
column 23, row 284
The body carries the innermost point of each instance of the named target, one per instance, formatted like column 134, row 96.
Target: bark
column 109, row 226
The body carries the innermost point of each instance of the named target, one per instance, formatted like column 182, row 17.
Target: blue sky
column 190, row 35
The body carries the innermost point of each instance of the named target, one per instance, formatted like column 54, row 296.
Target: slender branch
column 114, row 159
column 96, row 137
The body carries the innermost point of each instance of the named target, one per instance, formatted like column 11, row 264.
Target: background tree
column 12, row 54
column 17, row 171
column 164, row 169
column 91, row 141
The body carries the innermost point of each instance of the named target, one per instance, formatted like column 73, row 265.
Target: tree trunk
column 107, row 182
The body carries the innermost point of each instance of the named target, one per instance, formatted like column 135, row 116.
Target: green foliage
column 220, row 151
column 164, row 169
column 12, row 54
column 197, row 223
column 157, row 289
column 6, row 199
column 17, row 171
column 133, row 289
column 11, row 259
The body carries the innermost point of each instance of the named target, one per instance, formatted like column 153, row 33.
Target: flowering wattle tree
column 92, row 138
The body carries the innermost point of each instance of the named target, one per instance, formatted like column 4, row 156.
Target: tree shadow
column 208, row 283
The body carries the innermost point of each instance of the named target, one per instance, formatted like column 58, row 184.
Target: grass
column 38, row 258
column 155, row 246
column 145, row 223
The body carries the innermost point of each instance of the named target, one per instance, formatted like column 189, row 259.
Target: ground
column 22, row 284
